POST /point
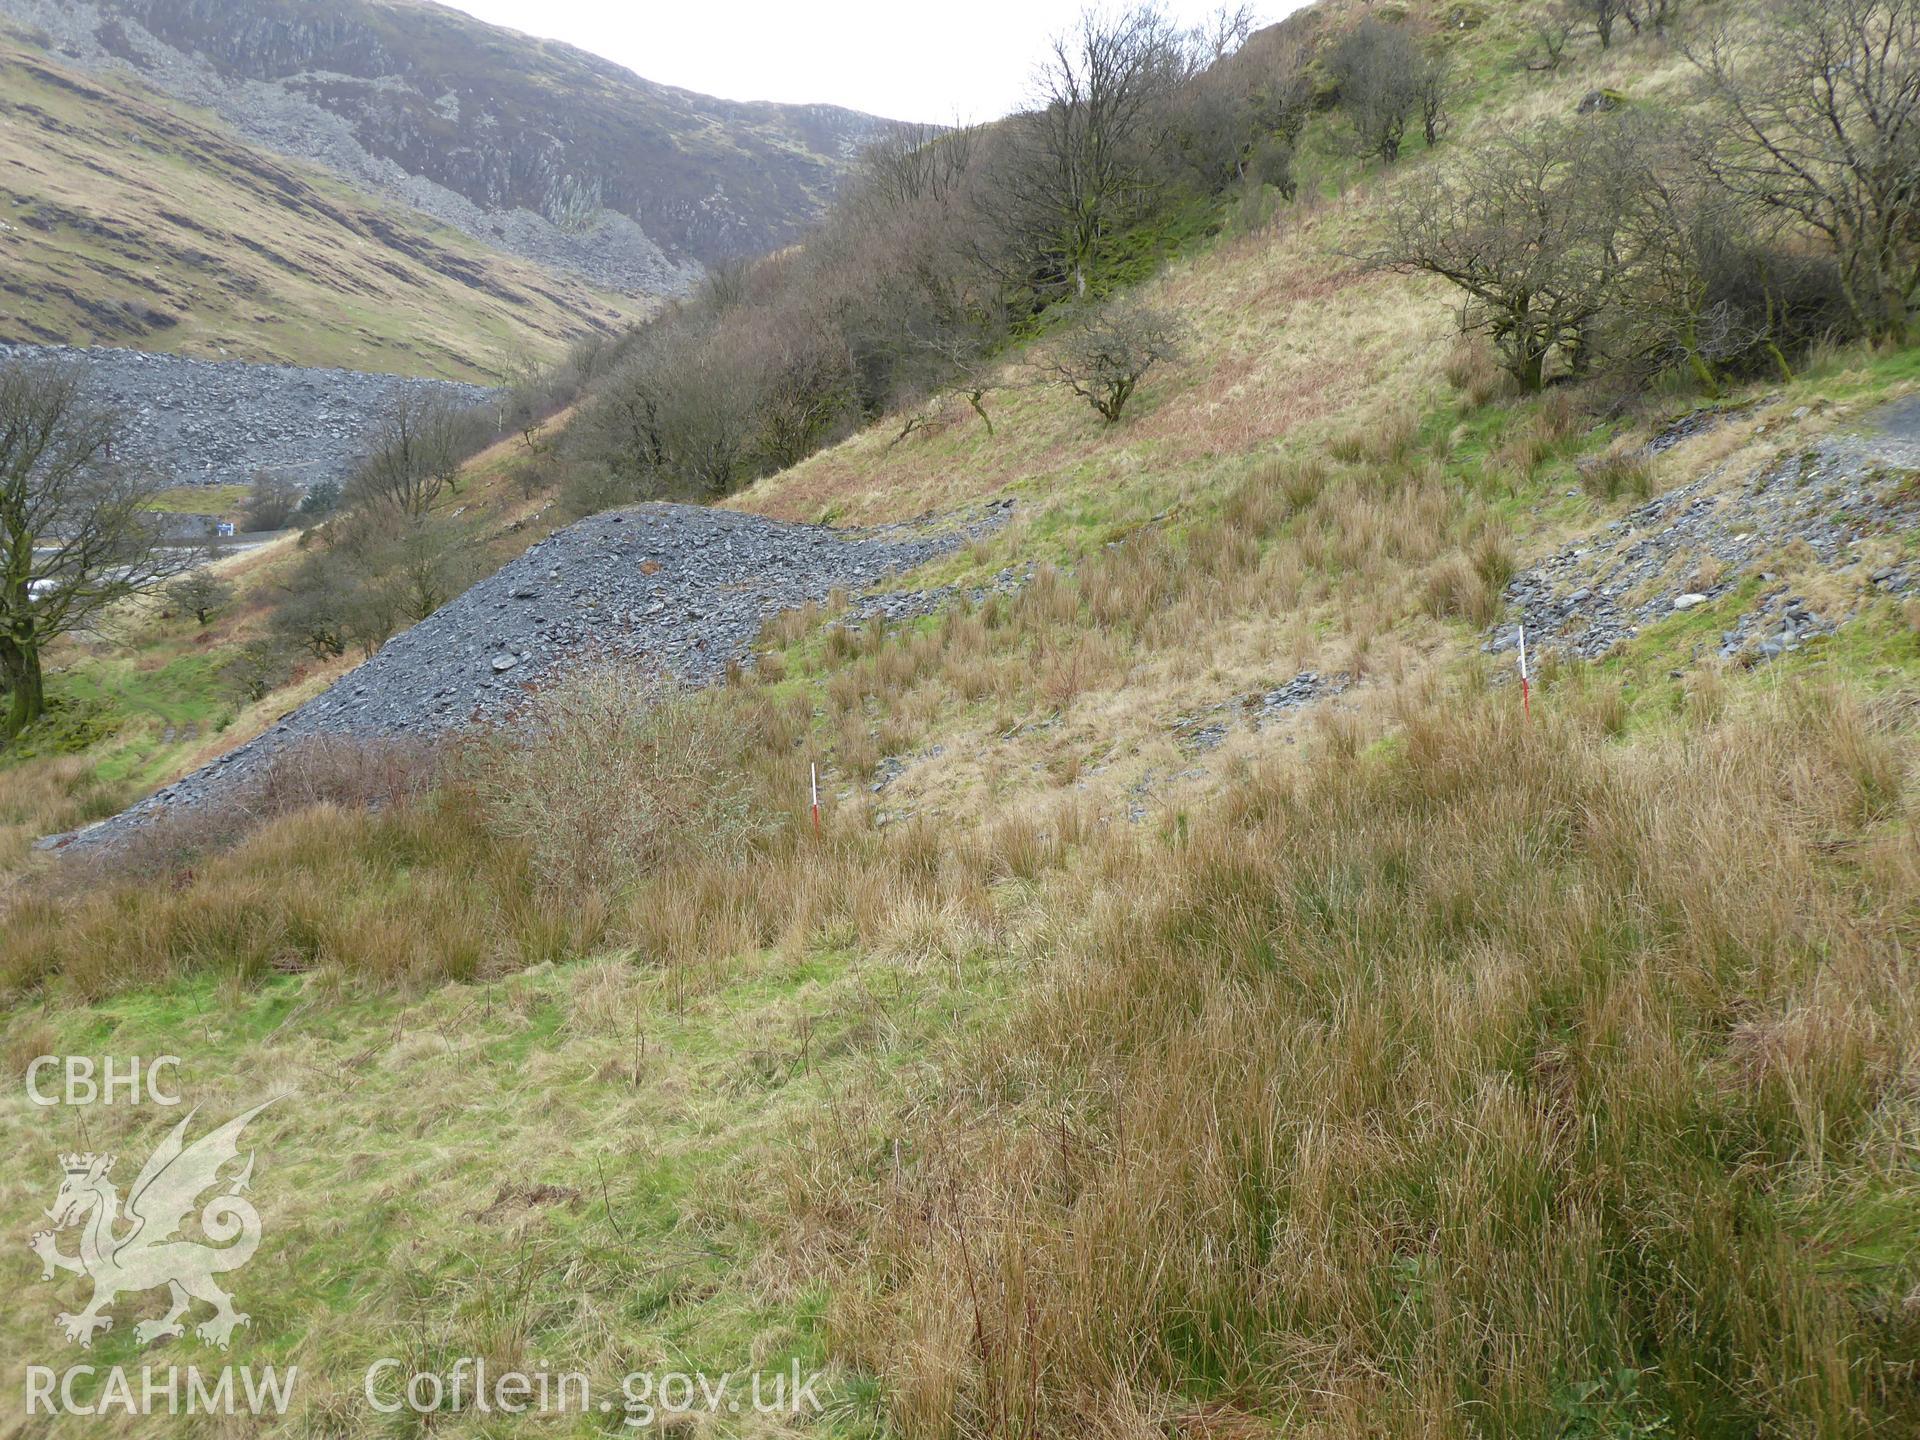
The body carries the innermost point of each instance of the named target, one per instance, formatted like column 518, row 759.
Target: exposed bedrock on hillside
column 534, row 147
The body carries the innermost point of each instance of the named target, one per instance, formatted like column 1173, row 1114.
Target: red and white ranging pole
column 815, row 769
column 1526, row 698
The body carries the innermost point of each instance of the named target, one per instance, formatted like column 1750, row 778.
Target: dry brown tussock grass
column 1383, row 1063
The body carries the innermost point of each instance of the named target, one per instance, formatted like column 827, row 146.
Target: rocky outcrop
column 206, row 422
column 534, row 147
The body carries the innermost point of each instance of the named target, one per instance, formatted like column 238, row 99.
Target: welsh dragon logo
column 141, row 1251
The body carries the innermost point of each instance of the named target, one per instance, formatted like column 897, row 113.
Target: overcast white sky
column 903, row 59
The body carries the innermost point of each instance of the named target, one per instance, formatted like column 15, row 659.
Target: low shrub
column 610, row 774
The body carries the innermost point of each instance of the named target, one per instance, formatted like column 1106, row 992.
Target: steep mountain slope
column 535, row 147
column 128, row 220
column 1209, row 1003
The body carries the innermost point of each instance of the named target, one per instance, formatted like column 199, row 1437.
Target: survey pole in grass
column 1526, row 696
column 814, row 771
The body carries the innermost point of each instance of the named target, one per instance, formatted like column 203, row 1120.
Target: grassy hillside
column 1149, row 1042
column 126, row 219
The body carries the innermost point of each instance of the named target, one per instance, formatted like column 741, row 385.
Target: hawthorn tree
column 1103, row 355
column 1532, row 226
column 255, row 668
column 201, row 594
column 313, row 613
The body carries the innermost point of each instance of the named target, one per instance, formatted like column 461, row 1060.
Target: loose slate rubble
column 897, row 605
column 1208, row 729
column 221, row 422
column 1602, row 590
column 677, row 589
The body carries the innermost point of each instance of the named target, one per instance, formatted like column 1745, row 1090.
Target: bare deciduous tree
column 805, row 389
column 1077, row 170
column 312, row 614
column 1223, row 32
column 1715, row 289
column 529, row 396
column 1272, row 164
column 1382, row 77
column 270, row 503
column 422, row 564
column 77, row 532
column 906, row 259
column 1283, row 100
column 1432, row 84
column 1208, row 133
column 1531, row 227
column 1103, row 355
column 378, row 573
column 1824, row 123
column 714, row 416
column 955, row 360
column 1655, row 15
column 682, row 415
column 1555, row 33
column 1602, row 15
column 725, row 286
column 415, row 452
column 911, row 165
column 624, row 427
column 253, row 669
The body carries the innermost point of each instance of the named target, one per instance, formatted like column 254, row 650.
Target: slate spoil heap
column 678, row 589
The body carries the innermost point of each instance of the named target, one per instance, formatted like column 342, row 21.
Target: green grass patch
column 497, row 1169
column 157, row 709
